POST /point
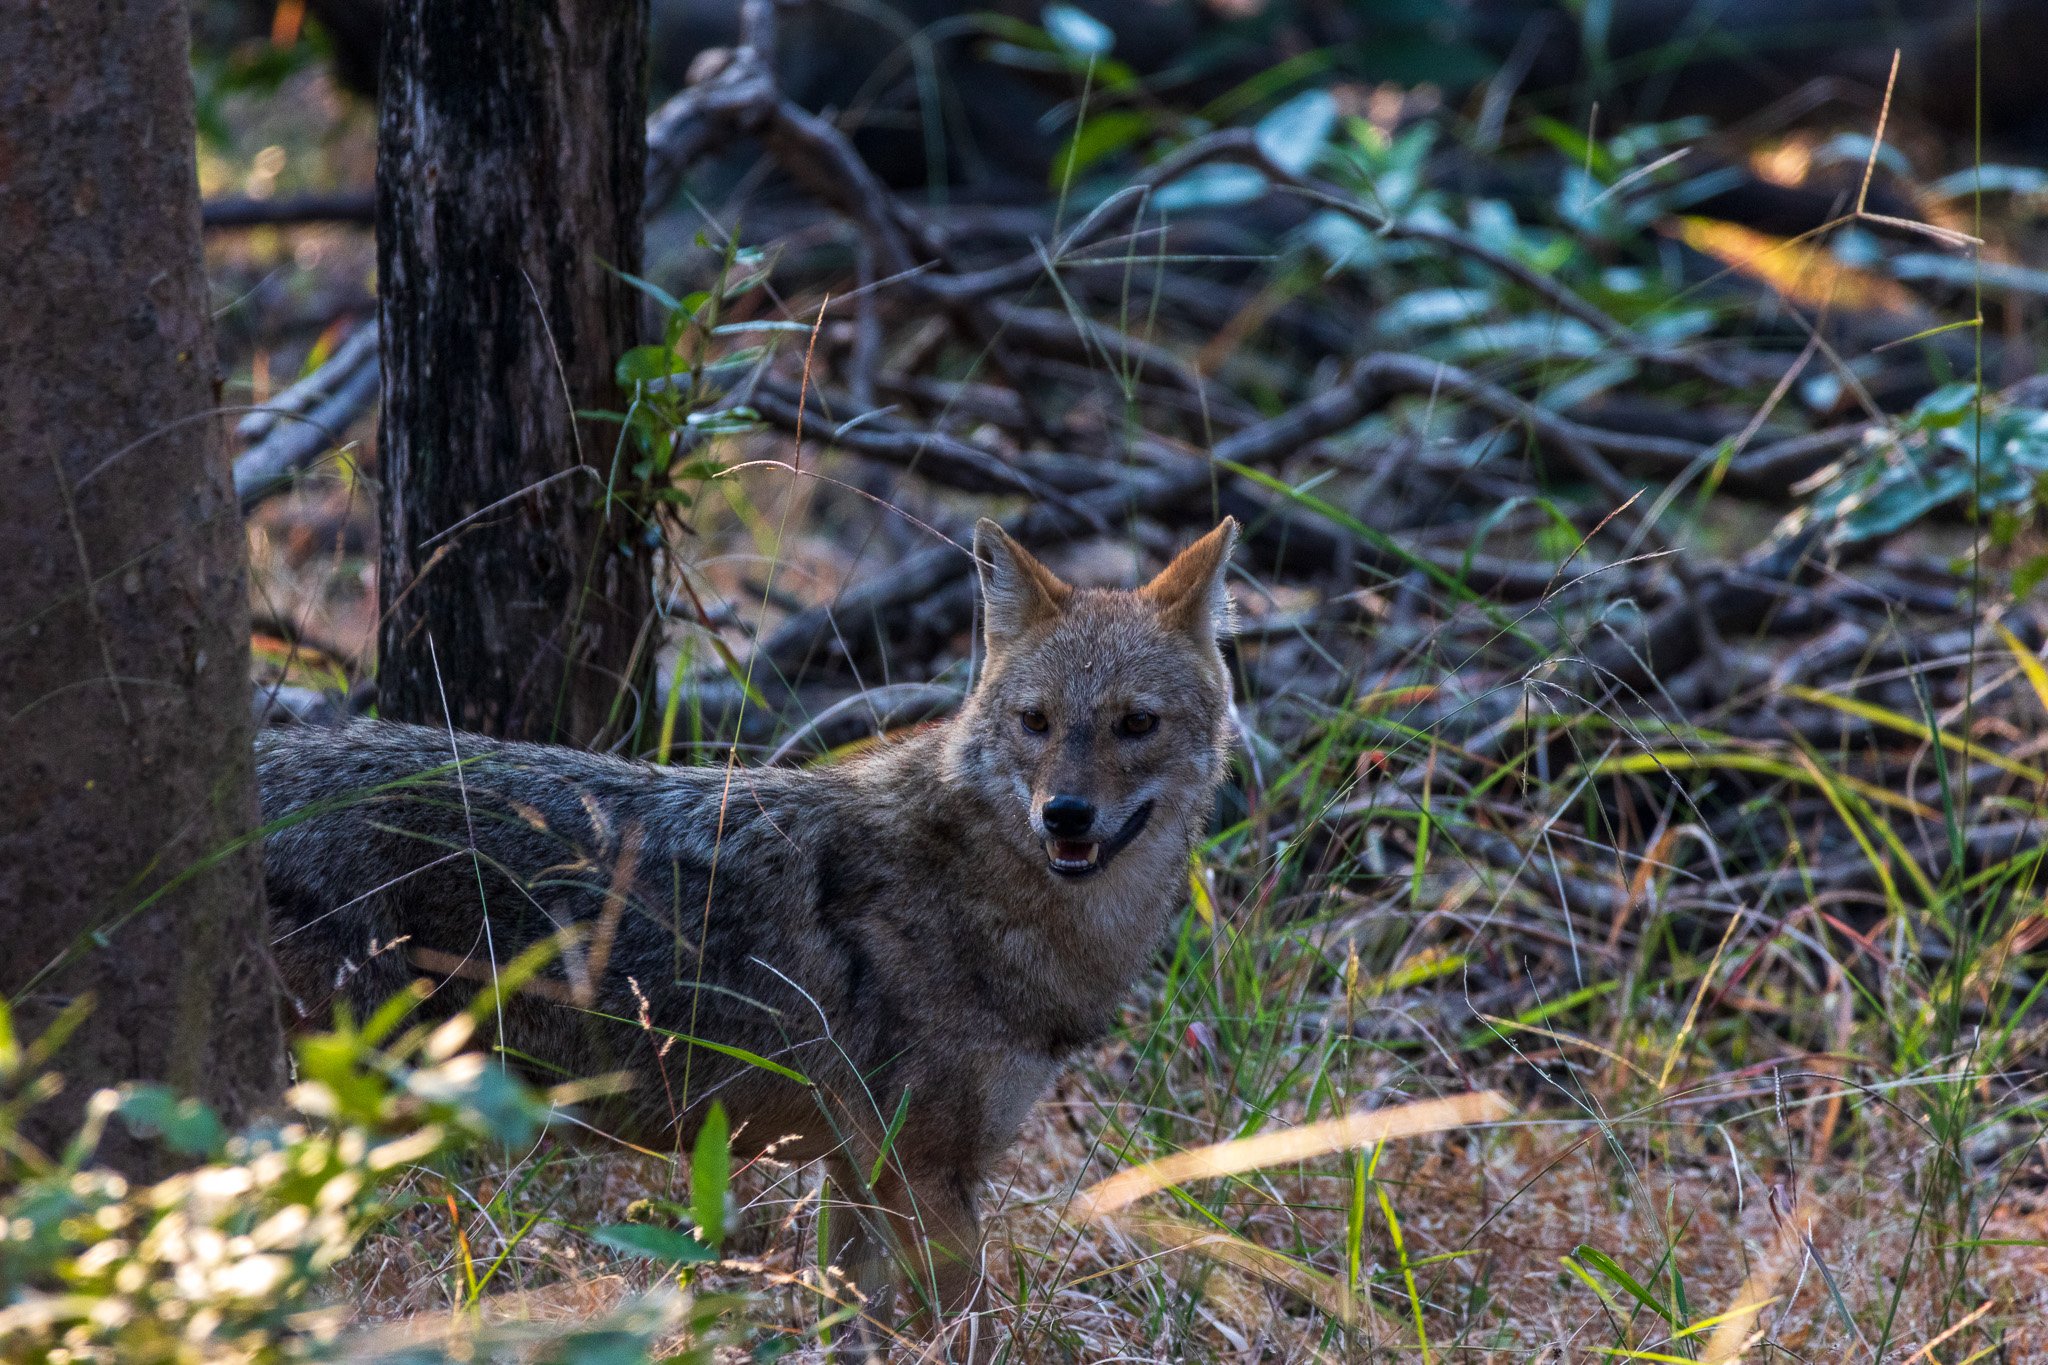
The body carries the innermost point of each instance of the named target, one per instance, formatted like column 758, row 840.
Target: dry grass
column 1491, row 1215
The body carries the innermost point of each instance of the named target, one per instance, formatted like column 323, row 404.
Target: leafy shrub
column 225, row 1260
column 1988, row 456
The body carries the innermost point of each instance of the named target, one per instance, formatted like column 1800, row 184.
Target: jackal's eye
column 1137, row 723
column 1035, row 722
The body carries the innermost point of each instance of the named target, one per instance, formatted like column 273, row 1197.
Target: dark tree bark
column 511, row 154
column 356, row 30
column 124, row 640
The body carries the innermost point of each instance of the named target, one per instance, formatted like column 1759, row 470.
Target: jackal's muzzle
column 1081, row 857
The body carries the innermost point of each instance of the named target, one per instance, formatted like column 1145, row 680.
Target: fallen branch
column 308, row 420
column 355, row 207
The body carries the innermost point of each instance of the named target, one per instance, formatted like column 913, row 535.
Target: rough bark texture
column 125, row 762
column 511, row 155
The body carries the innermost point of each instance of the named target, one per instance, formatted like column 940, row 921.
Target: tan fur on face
column 1085, row 659
column 1189, row 592
column 1017, row 592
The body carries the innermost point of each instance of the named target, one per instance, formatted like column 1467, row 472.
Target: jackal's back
column 407, row 852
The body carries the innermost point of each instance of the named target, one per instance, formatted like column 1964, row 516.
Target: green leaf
column 1107, row 133
column 1991, row 179
column 1854, row 149
column 651, row 290
column 1426, row 309
column 1342, row 240
column 738, row 1054
column 1294, row 134
column 656, row 1244
column 389, row 1016
column 55, row 1033
column 644, row 364
column 1574, row 145
column 1606, row 1265
column 711, row 1174
column 1947, row 406
column 1898, row 503
column 598, row 1346
column 483, row 1097
column 889, row 1138
column 1077, row 31
column 1211, row 186
column 733, row 423
column 334, row 1060
column 749, row 268
column 186, row 1126
column 1542, row 334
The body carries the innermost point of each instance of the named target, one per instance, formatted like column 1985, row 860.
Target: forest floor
column 1704, row 823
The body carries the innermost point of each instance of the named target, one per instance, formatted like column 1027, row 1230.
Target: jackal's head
column 1101, row 717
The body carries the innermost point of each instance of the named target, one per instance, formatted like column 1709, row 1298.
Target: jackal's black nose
column 1067, row 817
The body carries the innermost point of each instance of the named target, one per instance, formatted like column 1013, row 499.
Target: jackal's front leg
column 917, row 1236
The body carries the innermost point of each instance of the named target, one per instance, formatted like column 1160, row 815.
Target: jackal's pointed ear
column 1189, row 592
column 1017, row 592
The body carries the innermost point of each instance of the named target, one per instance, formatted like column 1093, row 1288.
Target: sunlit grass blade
column 1290, row 1145
column 1906, row 725
column 1611, row 1269
column 2029, row 662
column 1680, row 760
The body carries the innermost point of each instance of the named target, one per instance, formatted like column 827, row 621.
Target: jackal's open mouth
column 1080, row 857
column 1072, row 857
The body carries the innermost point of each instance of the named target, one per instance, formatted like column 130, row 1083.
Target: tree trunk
column 124, row 640
column 511, row 151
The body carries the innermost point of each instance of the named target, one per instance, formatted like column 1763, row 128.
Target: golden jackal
column 930, row 927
